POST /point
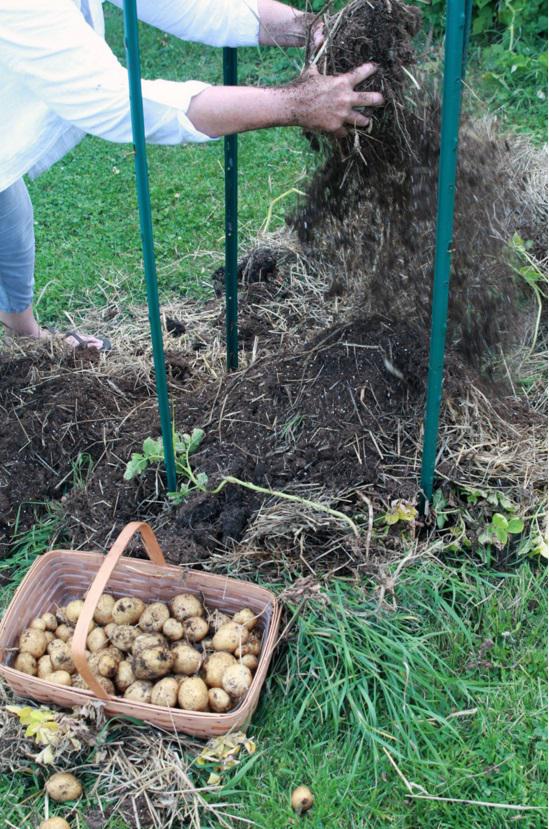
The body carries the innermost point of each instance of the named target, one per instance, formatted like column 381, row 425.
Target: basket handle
column 96, row 589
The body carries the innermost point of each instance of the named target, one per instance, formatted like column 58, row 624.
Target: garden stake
column 458, row 14
column 149, row 264
column 230, row 78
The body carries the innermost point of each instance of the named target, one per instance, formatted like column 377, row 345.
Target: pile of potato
column 176, row 654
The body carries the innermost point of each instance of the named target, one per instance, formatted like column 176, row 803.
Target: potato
column 34, row 642
column 245, row 617
column 164, row 693
column 207, row 644
column 253, row 645
column 124, row 676
column 153, row 617
column 185, row 605
column 302, row 799
column 63, row 786
column 153, row 663
column 236, row 680
column 172, row 630
column 106, row 684
column 216, row 666
column 123, row 637
column 196, row 628
column 63, row 632
column 186, row 660
column 109, row 629
column 44, row 666
column 97, row 640
column 103, row 612
column 217, row 619
column 229, row 637
column 147, row 640
column 61, row 657
column 139, row 691
column 250, row 661
column 73, row 611
column 54, row 823
column 50, row 620
column 127, row 611
column 106, row 664
column 219, row 700
column 59, row 678
column 193, row 694
column 37, row 624
column 61, row 615
column 49, row 636
column 26, row 663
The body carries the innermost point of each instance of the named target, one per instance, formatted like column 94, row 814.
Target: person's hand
column 317, row 35
column 330, row 103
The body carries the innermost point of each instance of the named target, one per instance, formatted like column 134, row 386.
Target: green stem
column 295, row 498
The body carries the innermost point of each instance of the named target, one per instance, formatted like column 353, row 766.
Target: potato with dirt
column 123, row 636
column 34, row 642
column 196, row 628
column 54, row 823
column 164, row 692
column 147, row 640
column 102, row 614
column 153, row 663
column 193, row 694
column 96, row 640
column 124, row 676
column 61, row 656
column 185, row 605
column 229, row 637
column 173, row 630
column 219, row 700
column 245, row 617
column 236, row 681
column 126, row 611
column 26, row 663
column 216, row 666
column 59, row 678
column 153, row 617
column 50, row 621
column 63, row 787
column 186, row 660
column 139, row 691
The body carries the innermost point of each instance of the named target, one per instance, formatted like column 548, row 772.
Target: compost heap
column 329, row 399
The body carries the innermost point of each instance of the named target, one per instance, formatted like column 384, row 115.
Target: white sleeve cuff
column 175, row 98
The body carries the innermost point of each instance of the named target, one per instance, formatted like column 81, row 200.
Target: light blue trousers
column 16, row 249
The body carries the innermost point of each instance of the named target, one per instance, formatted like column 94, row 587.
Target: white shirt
column 59, row 79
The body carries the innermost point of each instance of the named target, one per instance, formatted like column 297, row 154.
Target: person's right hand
column 330, row 103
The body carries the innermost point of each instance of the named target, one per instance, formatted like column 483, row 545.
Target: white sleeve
column 69, row 67
column 215, row 22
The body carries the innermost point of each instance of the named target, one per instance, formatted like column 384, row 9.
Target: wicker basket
column 61, row 575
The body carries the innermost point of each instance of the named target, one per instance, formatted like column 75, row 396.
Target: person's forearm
column 282, row 25
column 223, row 110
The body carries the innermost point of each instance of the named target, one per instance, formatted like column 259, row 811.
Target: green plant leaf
column 515, row 525
column 135, row 466
column 195, row 440
column 499, row 522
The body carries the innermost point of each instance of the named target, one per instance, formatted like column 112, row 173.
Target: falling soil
column 370, row 208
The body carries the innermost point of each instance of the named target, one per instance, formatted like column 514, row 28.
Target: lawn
column 379, row 712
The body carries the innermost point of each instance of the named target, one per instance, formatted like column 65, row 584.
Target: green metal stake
column 454, row 65
column 230, row 78
column 131, row 40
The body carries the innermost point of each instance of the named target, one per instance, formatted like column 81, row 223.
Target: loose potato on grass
column 302, row 799
column 26, row 663
column 124, row 676
column 153, row 663
column 123, row 636
column 34, row 642
column 153, row 617
column 96, row 640
column 127, row 611
column 229, row 637
column 185, row 605
column 54, row 823
column 139, row 691
column 193, row 694
column 173, row 630
column 102, row 614
column 236, row 680
column 219, row 700
column 216, row 666
column 186, row 660
column 164, row 693
column 196, row 628
column 63, row 786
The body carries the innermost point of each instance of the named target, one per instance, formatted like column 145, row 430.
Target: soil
column 314, row 418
